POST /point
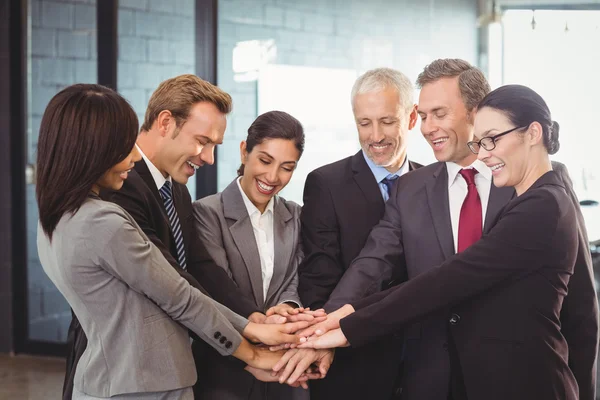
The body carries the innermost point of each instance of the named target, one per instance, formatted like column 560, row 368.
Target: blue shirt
column 380, row 173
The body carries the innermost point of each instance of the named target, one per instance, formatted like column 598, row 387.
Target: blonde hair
column 471, row 81
column 179, row 94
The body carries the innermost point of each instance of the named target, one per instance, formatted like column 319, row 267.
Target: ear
column 471, row 116
column 413, row 117
column 243, row 152
column 164, row 121
column 535, row 133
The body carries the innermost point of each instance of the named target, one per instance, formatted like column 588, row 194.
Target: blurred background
column 301, row 57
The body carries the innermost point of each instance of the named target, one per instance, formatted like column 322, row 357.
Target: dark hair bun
column 551, row 140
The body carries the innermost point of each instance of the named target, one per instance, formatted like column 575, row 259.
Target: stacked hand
column 302, row 332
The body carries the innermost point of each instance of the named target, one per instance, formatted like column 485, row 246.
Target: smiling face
column 187, row 147
column 113, row 178
column 267, row 169
column 446, row 123
column 383, row 126
column 518, row 156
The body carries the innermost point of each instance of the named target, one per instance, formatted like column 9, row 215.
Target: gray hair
column 382, row 78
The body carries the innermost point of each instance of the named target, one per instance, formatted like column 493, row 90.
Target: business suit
column 427, row 241
column 342, row 202
column 139, row 196
column 223, row 225
column 133, row 304
column 504, row 296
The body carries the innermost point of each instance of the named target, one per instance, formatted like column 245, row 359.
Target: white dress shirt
column 262, row 225
column 158, row 177
column 457, row 191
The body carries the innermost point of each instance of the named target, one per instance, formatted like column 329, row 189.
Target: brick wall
column 156, row 42
column 63, row 52
column 348, row 36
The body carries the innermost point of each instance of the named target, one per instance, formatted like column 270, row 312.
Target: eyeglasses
column 489, row 142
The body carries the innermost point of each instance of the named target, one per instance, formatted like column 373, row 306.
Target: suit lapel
column 142, row 169
column 243, row 235
column 283, row 237
column 498, row 199
column 437, row 198
column 366, row 182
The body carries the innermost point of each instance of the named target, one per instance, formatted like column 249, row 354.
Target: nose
column 207, row 154
column 377, row 134
column 271, row 174
column 483, row 154
column 427, row 126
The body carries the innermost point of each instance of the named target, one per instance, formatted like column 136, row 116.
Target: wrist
column 249, row 332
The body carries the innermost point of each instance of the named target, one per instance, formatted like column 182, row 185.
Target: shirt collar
column 249, row 205
column 380, row 172
column 158, row 177
column 454, row 169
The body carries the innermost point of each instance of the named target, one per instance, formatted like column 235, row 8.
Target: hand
column 331, row 339
column 263, row 375
column 274, row 334
column 257, row 318
column 295, row 314
column 332, row 322
column 297, row 363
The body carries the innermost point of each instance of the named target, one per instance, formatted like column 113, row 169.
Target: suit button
column 223, row 339
column 445, row 346
column 454, row 319
column 217, row 335
column 398, row 392
column 228, row 345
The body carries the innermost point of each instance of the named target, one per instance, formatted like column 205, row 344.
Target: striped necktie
column 167, row 195
column 388, row 181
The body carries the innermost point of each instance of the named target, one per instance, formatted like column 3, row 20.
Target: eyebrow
column 433, row 110
column 486, row 133
column 208, row 140
column 272, row 158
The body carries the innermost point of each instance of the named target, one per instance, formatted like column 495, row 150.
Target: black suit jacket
column 342, row 202
column 504, row 293
column 426, row 241
column 139, row 196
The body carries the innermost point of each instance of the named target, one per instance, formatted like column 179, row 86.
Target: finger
column 283, row 361
column 300, row 317
column 310, row 331
column 279, row 347
column 296, row 367
column 275, row 319
column 293, row 327
column 300, row 369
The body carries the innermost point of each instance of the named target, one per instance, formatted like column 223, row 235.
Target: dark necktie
column 470, row 222
column 388, row 181
column 167, row 195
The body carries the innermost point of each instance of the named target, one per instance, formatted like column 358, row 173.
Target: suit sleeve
column 519, row 244
column 579, row 315
column 322, row 268
column 201, row 268
column 122, row 254
column 290, row 294
column 381, row 258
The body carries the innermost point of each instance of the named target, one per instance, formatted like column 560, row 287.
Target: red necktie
column 470, row 222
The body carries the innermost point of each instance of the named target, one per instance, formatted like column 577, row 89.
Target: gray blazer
column 224, row 226
column 128, row 299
